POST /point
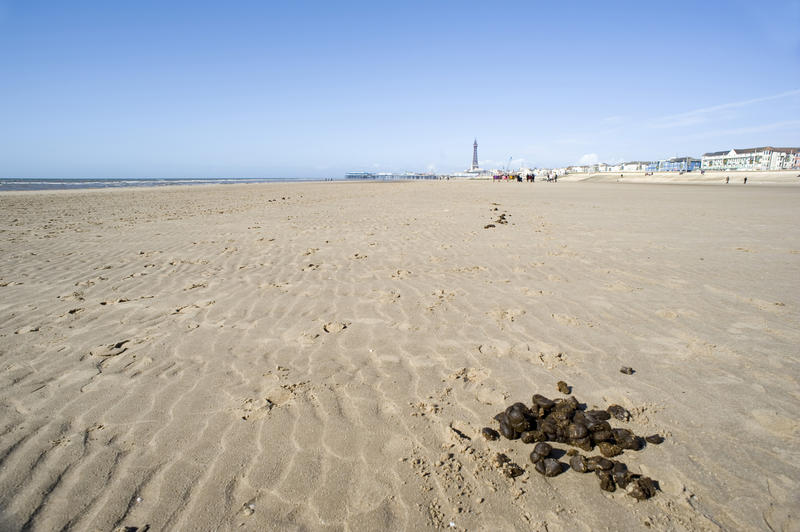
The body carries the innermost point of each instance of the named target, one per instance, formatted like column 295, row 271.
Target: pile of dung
column 567, row 421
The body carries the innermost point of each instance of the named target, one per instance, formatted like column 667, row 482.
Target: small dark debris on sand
column 563, row 388
column 568, row 421
column 490, row 434
column 619, row 412
column 626, row 370
column 488, row 226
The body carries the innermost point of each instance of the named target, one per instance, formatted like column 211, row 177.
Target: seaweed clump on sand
column 567, row 421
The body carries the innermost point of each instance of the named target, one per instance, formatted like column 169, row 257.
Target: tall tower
column 475, row 155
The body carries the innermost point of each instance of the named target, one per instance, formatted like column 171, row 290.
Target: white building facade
column 764, row 158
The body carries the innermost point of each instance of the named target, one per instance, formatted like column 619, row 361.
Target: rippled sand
column 323, row 356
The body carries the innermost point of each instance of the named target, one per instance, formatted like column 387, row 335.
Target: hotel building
column 764, row 158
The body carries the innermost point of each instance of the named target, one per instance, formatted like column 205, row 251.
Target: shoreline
column 784, row 177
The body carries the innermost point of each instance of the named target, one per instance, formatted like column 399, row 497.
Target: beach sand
column 322, row 356
column 777, row 177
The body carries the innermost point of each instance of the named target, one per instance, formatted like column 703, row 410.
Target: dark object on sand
column 512, row 470
column 566, row 420
column 627, row 439
column 549, row 467
column 642, row 488
column 654, row 439
column 488, row 226
column 609, row 449
column 532, row 436
column 621, row 475
column 507, row 431
column 606, row 480
column 626, row 370
column 619, row 412
column 540, row 452
column 596, row 415
column 490, row 434
column 563, row 388
column 577, row 431
column 500, row 459
column 598, row 462
column 518, row 417
column 544, row 402
column 578, row 463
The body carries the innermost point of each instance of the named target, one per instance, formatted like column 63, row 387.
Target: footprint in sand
column 28, row 329
column 401, row 274
column 390, row 296
column 502, row 315
column 553, row 360
column 307, row 339
column 185, row 308
column 74, row 296
column 490, row 395
column 110, row 350
column 257, row 408
column 566, row 319
column 120, row 300
column 254, row 408
column 335, row 326
column 494, row 350
column 469, row 374
column 667, row 314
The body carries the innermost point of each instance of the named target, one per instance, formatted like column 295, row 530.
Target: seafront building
column 636, row 166
column 763, row 158
column 676, row 164
column 581, row 169
column 389, row 175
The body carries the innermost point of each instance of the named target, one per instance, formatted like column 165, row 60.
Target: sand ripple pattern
column 322, row 356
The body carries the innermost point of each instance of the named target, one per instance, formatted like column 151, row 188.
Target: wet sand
column 323, row 356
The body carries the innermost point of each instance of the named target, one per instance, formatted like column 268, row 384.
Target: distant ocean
column 74, row 184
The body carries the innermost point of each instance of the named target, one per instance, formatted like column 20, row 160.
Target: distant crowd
column 551, row 177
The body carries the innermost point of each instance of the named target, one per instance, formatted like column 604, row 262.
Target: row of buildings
column 763, row 158
column 676, row 164
column 387, row 176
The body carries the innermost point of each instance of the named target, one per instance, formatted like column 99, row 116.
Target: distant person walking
column 727, row 179
column 745, row 180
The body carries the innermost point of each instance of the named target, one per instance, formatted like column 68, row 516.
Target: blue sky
column 315, row 89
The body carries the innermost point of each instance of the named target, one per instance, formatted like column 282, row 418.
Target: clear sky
column 314, row 89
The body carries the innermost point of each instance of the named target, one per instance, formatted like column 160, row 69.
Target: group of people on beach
column 552, row 177
column 728, row 179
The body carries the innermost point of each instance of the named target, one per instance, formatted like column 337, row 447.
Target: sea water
column 71, row 184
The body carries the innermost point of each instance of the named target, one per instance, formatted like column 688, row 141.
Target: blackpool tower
column 475, row 156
